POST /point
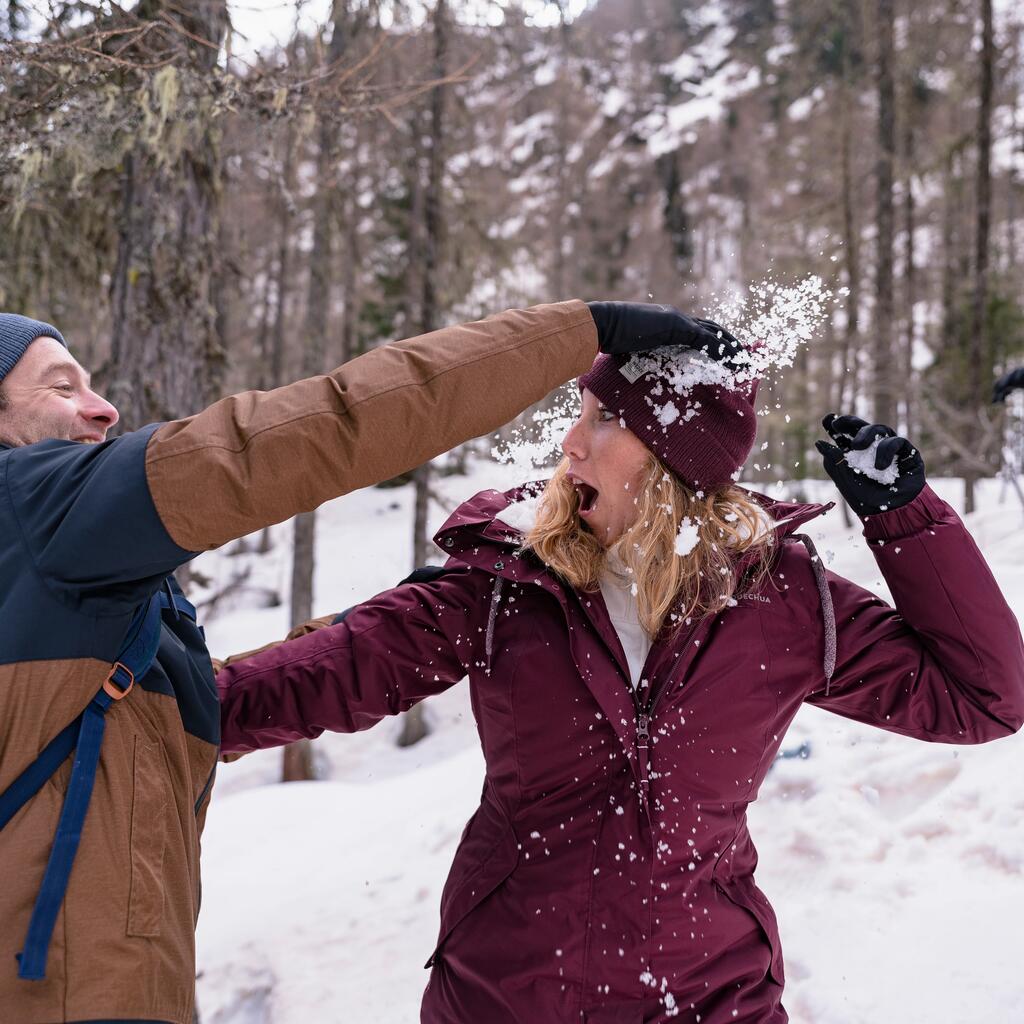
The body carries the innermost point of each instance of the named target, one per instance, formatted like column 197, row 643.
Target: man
column 90, row 532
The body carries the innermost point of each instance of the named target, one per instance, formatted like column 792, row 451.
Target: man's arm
column 103, row 524
column 258, row 458
column 108, row 523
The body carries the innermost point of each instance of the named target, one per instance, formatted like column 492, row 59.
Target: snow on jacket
column 89, row 532
column 598, row 881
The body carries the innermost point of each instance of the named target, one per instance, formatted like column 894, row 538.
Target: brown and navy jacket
column 89, row 532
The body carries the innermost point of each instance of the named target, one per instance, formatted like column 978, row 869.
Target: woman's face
column 606, row 465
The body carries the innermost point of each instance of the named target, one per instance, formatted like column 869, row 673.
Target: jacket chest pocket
column 148, row 839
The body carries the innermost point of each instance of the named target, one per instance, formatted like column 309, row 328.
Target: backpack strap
column 84, row 735
column 176, row 602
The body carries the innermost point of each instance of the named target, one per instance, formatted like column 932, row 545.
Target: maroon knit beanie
column 703, row 434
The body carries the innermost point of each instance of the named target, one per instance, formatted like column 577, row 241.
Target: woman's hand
column 625, row 327
column 874, row 468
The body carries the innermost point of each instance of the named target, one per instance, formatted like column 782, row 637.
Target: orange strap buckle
column 111, row 689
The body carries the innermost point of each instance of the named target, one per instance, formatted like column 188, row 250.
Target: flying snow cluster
column 771, row 320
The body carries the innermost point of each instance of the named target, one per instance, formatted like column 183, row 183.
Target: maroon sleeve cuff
column 925, row 510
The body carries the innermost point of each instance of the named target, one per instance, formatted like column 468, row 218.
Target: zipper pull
column 643, row 746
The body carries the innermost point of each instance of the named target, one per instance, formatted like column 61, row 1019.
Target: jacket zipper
column 206, row 789
column 643, row 740
column 644, row 717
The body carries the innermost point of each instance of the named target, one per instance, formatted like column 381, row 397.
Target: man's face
column 49, row 397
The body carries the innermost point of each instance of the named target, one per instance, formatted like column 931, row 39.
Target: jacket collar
column 789, row 516
column 475, row 536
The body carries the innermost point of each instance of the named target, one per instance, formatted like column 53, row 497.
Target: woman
column 635, row 654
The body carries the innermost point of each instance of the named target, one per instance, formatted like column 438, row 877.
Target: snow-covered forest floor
column 896, row 867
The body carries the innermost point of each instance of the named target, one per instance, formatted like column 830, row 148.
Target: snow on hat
column 16, row 334
column 687, row 409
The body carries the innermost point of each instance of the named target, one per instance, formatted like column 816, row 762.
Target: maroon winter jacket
column 603, row 878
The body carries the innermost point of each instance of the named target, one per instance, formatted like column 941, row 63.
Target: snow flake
column 687, row 537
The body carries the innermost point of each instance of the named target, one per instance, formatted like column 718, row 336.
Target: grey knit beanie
column 16, row 334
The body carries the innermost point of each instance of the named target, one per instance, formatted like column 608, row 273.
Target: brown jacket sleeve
column 262, row 457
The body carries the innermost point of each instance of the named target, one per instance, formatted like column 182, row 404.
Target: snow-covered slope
column 896, row 868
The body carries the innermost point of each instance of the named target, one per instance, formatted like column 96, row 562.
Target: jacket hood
column 475, row 535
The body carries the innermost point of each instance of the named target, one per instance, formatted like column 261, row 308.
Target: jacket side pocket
column 744, row 894
column 487, row 855
column 148, row 839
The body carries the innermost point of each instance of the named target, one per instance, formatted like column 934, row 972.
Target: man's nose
column 97, row 409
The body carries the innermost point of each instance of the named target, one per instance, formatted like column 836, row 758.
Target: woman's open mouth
column 588, row 497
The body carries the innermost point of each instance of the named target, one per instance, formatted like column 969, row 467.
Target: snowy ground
column 896, row 868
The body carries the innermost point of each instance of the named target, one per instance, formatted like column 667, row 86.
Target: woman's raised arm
column 947, row 664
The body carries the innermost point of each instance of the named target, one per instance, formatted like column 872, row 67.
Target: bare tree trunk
column 297, row 762
column 272, row 344
column 166, row 361
column 284, row 249
column 563, row 137
column 1013, row 183
column 349, row 279
column 952, row 195
column 263, row 331
column 846, row 378
column 303, row 564
column 979, row 347
column 851, row 253
column 909, row 271
column 798, row 435
column 298, row 756
column 884, row 384
column 432, row 211
column 414, row 726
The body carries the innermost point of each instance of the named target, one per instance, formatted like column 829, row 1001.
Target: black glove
column 625, row 327
column 1007, row 383
column 865, row 495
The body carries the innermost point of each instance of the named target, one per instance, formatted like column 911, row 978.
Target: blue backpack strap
column 177, row 603
column 84, row 735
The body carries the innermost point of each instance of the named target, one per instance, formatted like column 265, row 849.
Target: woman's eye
column 64, row 387
column 605, row 415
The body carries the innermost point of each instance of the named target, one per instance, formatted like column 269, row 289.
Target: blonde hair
column 671, row 588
